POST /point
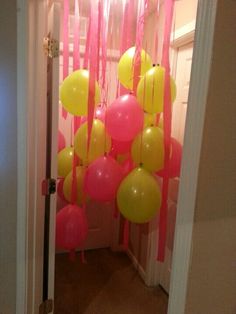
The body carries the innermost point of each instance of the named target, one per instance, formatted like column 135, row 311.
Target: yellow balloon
column 148, row 149
column 150, row 90
column 67, row 185
column 126, row 68
column 74, row 93
column 149, row 120
column 65, row 161
column 100, row 141
column 139, row 196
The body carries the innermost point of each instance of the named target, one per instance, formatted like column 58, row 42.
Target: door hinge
column 46, row 307
column 51, row 47
column 48, row 186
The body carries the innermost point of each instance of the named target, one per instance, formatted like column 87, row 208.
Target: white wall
column 8, row 162
column 212, row 274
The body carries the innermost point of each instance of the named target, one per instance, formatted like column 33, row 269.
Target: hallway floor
column 106, row 284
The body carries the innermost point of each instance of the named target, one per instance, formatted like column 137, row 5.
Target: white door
column 183, row 71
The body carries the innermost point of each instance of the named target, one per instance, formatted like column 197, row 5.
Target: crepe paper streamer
column 76, row 42
column 126, row 235
column 126, row 38
column 93, row 62
column 65, row 46
column 169, row 7
column 99, row 22
column 86, row 54
column 105, row 9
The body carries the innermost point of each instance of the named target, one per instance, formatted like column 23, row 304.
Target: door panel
column 183, row 70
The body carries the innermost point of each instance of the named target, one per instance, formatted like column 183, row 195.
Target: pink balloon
column 120, row 147
column 71, row 227
column 61, row 141
column 124, row 118
column 174, row 162
column 103, row 178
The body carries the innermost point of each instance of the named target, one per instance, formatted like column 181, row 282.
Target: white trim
column 191, row 154
column 137, row 266
column 183, row 35
column 22, row 182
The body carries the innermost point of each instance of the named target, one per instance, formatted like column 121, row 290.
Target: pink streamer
column 65, row 46
column 169, row 7
column 76, row 55
column 86, row 54
column 93, row 62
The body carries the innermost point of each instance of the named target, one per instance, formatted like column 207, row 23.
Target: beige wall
column 212, row 276
column 185, row 12
column 8, row 156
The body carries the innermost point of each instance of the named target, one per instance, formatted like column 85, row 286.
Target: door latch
column 48, row 186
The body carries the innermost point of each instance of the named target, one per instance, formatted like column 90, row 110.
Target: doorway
column 102, row 226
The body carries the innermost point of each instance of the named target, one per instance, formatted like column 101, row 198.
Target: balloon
column 150, row 90
column 74, row 93
column 148, row 149
column 124, row 118
column 71, row 227
column 120, row 147
column 100, row 142
column 139, row 196
column 173, row 169
column 149, row 120
column 126, row 66
column 67, row 186
column 61, row 141
column 60, row 189
column 103, row 178
column 65, row 161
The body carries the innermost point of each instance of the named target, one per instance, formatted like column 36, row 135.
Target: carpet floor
column 106, row 284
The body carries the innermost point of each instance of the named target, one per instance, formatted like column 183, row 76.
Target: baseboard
column 137, row 266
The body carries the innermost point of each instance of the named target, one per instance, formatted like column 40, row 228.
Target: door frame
column 26, row 80
column 180, row 37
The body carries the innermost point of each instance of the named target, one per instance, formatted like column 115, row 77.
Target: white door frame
column 179, row 38
column 201, row 66
column 26, row 78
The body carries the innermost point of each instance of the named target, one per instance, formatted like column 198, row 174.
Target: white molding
column 183, row 35
column 22, row 182
column 137, row 266
column 191, row 154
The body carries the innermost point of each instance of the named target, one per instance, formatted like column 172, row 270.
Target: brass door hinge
column 51, row 47
column 49, row 186
column 46, row 307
